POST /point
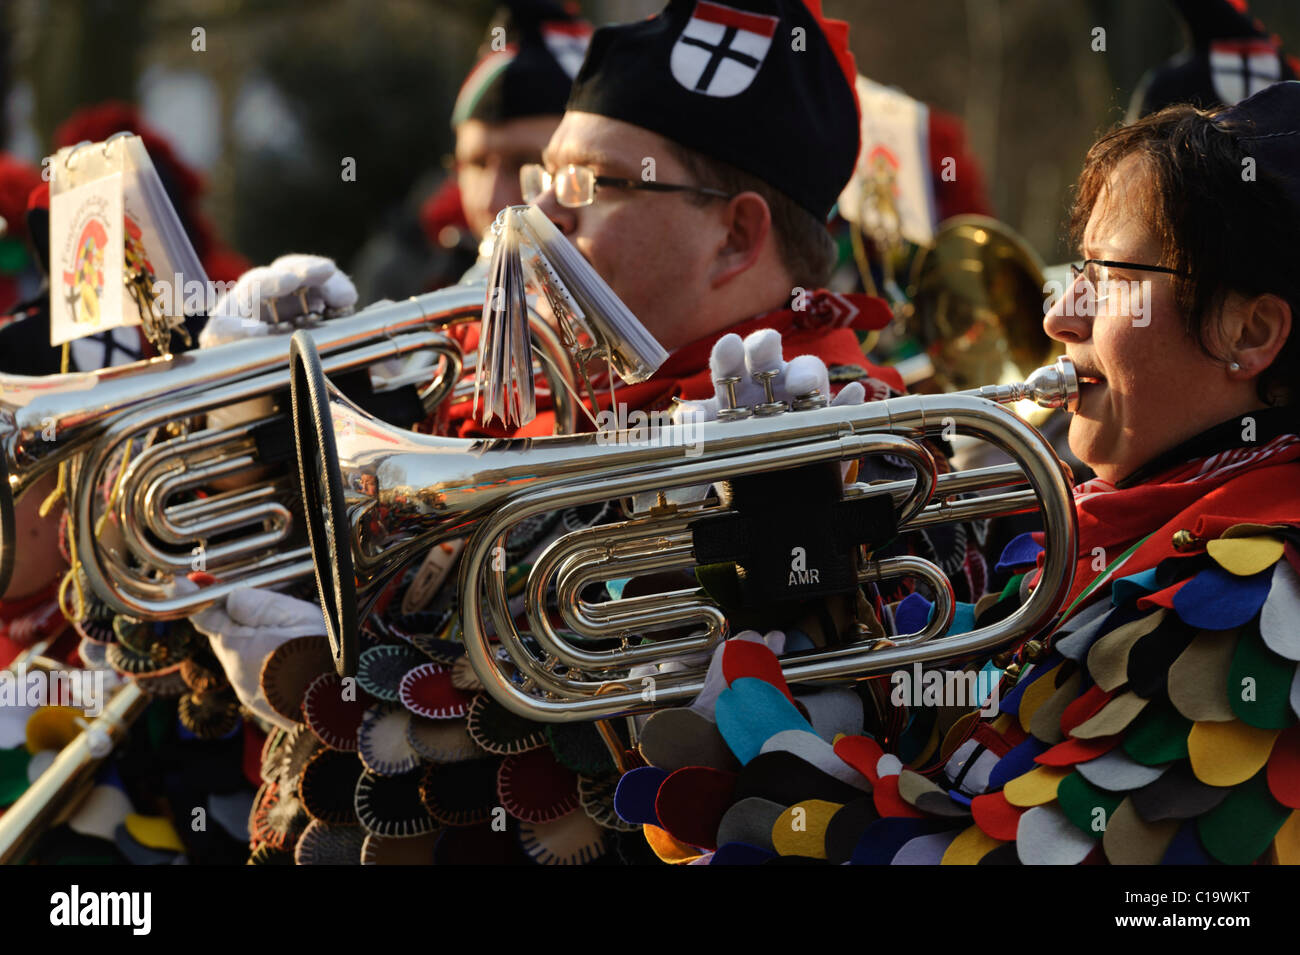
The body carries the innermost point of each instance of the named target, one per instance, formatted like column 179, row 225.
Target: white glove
column 245, row 628
column 761, row 351
column 263, row 294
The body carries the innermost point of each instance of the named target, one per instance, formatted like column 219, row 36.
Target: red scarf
column 1206, row 496
column 825, row 327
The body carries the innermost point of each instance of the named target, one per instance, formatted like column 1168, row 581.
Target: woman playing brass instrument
column 1168, row 695
column 1156, row 720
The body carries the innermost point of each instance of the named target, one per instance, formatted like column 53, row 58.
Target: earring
column 1233, row 366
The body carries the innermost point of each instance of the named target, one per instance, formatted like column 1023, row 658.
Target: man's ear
column 748, row 222
column 1265, row 326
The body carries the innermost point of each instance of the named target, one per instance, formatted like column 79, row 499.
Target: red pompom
column 17, row 180
column 97, row 123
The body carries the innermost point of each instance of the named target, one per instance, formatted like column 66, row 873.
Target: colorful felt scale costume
column 1157, row 722
column 186, row 753
column 418, row 765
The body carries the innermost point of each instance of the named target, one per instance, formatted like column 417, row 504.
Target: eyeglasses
column 575, row 186
column 1104, row 295
column 1098, row 270
column 1118, row 296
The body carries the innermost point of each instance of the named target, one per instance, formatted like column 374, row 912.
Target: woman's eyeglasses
column 1098, row 270
column 575, row 186
column 1104, row 295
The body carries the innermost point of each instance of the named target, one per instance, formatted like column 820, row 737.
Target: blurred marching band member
column 1229, row 55
column 185, row 760
column 505, row 112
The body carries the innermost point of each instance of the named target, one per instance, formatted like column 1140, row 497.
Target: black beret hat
column 764, row 85
column 526, row 65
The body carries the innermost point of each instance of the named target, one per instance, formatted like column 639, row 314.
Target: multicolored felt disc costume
column 1158, row 721
column 416, row 764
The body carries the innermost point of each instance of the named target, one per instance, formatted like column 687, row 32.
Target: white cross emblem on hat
column 1241, row 68
column 721, row 49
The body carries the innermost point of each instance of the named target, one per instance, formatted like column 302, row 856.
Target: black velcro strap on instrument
column 401, row 406
column 793, row 535
column 275, row 441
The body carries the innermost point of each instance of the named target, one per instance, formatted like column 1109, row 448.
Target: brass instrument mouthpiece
column 1052, row 386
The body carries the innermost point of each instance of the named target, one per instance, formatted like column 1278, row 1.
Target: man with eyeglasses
column 699, row 158
column 700, row 155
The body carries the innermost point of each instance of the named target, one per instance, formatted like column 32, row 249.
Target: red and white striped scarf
column 1213, row 468
column 1254, row 484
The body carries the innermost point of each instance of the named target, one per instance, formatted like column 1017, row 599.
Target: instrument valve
column 731, row 413
column 771, row 406
column 810, row 402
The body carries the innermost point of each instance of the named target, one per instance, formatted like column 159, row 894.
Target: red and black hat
column 764, row 85
column 1229, row 56
column 526, row 65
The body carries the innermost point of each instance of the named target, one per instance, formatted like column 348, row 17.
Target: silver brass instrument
column 245, row 536
column 376, row 498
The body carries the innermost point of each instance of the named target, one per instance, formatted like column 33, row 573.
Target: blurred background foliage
column 283, row 92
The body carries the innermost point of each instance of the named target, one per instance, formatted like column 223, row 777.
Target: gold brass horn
column 376, row 498
column 977, row 304
column 134, row 541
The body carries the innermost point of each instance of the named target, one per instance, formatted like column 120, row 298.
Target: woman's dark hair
column 1221, row 221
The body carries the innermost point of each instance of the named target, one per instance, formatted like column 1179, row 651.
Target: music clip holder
column 593, row 322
